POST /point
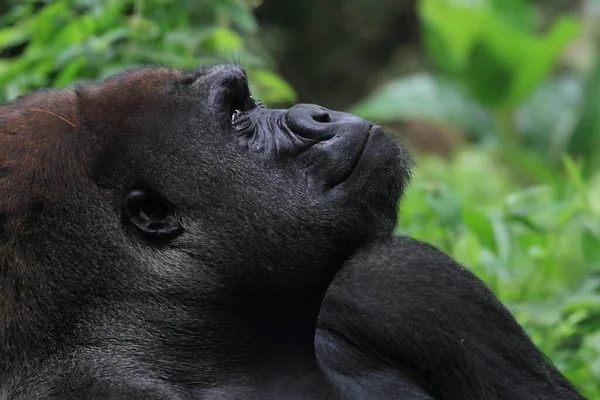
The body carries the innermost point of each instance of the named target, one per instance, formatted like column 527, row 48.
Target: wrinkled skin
column 164, row 236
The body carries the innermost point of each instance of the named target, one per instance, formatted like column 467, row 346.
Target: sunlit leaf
column 492, row 49
column 270, row 87
column 481, row 226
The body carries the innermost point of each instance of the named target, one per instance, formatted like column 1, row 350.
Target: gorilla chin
column 165, row 236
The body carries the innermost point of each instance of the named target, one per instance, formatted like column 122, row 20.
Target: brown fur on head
column 39, row 143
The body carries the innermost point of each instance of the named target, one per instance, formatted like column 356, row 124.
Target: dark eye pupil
column 240, row 120
column 239, row 116
column 235, row 117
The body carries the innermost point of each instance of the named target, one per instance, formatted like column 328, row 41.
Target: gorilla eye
column 152, row 215
column 245, row 103
column 242, row 103
column 240, row 120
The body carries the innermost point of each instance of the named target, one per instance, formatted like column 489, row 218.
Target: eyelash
column 258, row 103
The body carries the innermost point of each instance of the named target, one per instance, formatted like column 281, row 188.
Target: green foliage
column 538, row 248
column 426, row 97
column 67, row 40
column 490, row 46
column 493, row 82
column 585, row 141
column 547, row 119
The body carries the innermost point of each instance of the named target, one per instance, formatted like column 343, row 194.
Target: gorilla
column 165, row 236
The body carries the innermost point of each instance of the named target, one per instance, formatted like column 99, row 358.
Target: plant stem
column 506, row 129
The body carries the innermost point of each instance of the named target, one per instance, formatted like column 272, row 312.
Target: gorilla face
column 162, row 200
column 241, row 188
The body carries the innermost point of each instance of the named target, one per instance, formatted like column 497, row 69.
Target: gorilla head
column 165, row 224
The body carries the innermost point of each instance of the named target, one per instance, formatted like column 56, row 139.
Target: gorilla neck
column 271, row 326
column 221, row 336
column 253, row 339
column 268, row 342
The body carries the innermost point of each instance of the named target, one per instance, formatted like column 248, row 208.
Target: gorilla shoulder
column 404, row 320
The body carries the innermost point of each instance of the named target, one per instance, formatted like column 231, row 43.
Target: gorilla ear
column 151, row 214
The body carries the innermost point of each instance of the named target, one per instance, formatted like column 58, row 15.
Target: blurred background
column 499, row 99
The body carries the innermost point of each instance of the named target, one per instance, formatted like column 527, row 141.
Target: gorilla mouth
column 359, row 156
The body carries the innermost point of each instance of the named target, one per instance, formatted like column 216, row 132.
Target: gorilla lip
column 376, row 147
column 364, row 145
column 356, row 161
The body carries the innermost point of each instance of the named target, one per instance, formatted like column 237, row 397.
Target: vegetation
column 518, row 202
column 537, row 247
column 60, row 41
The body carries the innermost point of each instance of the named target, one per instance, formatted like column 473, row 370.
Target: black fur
column 403, row 320
column 155, row 243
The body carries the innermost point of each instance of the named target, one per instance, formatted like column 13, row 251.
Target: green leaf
column 240, row 14
column 538, row 56
column 70, row 72
column 223, row 41
column 491, row 48
column 501, row 235
column 591, row 244
column 549, row 116
column 487, row 75
column 585, row 141
column 451, row 30
column 445, row 205
column 270, row 87
column 517, row 13
column 575, row 175
column 480, row 225
column 423, row 96
column 13, row 36
column 532, row 166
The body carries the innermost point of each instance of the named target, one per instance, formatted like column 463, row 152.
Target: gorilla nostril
column 322, row 117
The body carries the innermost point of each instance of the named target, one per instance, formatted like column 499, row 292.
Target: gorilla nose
column 315, row 122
